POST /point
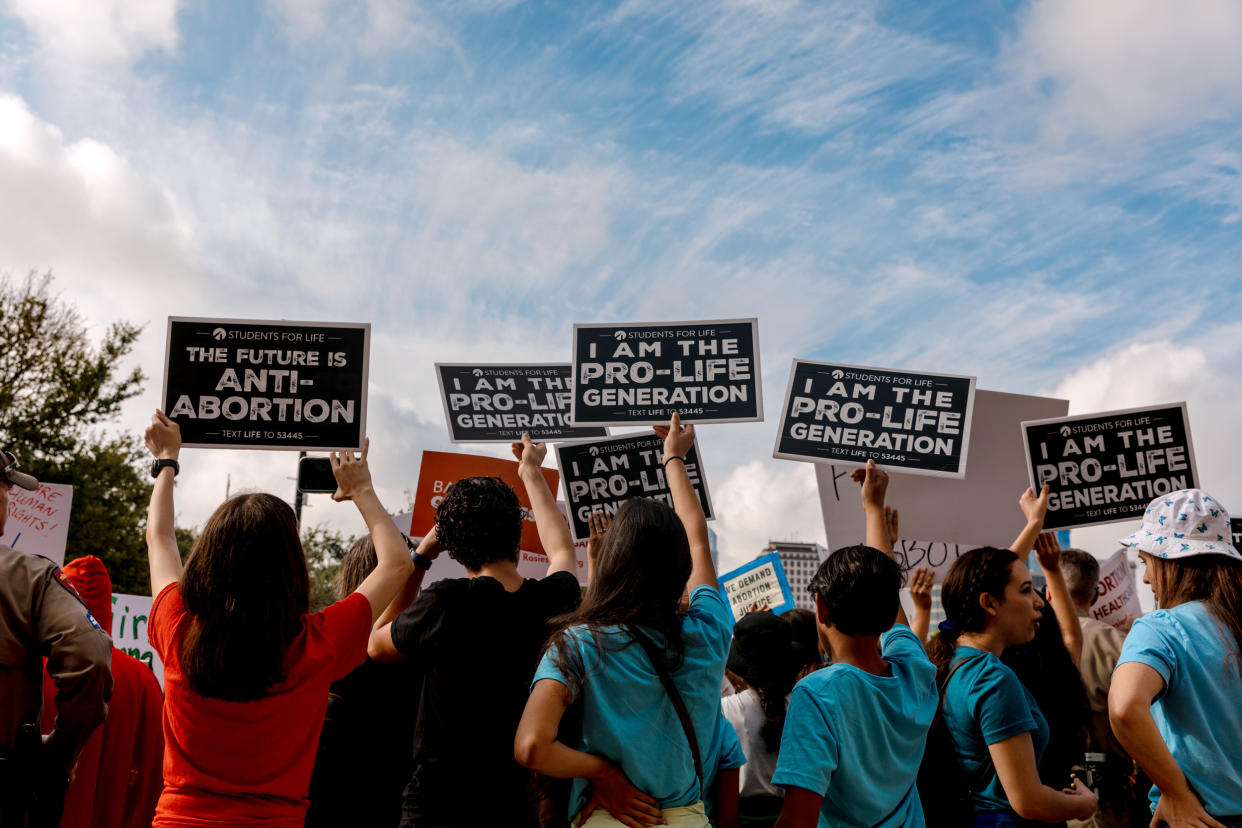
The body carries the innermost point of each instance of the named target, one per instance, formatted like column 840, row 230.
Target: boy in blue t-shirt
column 855, row 731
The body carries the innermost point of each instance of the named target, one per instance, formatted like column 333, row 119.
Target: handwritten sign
column 600, row 475
column 758, row 585
column 1116, row 598
column 916, row 423
column 497, row 403
column 640, row 373
column 1107, row 467
column 38, row 521
column 948, row 516
column 250, row 384
column 129, row 630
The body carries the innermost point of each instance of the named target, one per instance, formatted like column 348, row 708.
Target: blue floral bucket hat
column 1184, row 523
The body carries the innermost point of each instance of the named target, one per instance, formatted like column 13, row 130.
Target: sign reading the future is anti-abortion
column 917, row 423
column 240, row 383
column 600, row 475
column 498, row 403
column 640, row 373
column 1107, row 467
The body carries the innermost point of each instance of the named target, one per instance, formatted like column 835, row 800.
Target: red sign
column 440, row 469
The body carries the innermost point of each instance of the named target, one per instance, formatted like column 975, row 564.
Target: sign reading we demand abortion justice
column 241, row 383
column 758, row 586
column 497, row 403
column 1107, row 467
column 600, row 475
column 917, row 423
column 640, row 373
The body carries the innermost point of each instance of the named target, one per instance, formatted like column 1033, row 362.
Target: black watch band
column 421, row 561
column 159, row 465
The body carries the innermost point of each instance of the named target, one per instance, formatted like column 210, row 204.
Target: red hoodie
column 118, row 777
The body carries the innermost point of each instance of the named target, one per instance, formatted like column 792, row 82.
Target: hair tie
column 947, row 626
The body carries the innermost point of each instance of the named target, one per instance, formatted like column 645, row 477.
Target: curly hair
column 860, row 588
column 979, row 571
column 479, row 521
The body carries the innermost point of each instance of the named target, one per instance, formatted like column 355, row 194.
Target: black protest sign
column 917, row 423
column 1107, row 467
column 242, row 383
column 640, row 373
column 600, row 475
column 1235, row 527
column 497, row 403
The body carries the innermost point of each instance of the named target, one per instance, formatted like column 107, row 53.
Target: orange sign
column 440, row 469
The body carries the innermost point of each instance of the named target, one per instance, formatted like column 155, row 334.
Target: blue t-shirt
column 628, row 718
column 1199, row 713
column 724, row 753
column 858, row 739
column 986, row 703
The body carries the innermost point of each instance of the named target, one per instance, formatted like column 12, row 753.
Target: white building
column 800, row 562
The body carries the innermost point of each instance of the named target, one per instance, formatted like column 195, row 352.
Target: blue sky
column 1044, row 194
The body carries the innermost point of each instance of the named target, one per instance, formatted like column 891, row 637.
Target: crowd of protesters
column 499, row 700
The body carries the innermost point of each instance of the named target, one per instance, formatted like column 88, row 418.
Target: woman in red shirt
column 246, row 667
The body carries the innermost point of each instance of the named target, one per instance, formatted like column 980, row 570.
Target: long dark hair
column 246, row 586
column 1213, row 579
column 356, row 566
column 640, row 572
column 979, row 571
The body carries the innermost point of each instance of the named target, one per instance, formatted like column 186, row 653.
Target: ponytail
column 772, row 701
column 979, row 571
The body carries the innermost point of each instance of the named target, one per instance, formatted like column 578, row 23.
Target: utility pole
column 297, row 497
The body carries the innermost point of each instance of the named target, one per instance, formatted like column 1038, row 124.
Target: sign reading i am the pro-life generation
column 600, row 475
column 498, row 403
column 1107, row 467
column 917, row 423
column 252, row 384
column 640, row 373
column 758, row 586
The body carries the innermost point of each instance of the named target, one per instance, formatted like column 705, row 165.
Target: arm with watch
column 380, row 646
column 163, row 439
column 678, row 440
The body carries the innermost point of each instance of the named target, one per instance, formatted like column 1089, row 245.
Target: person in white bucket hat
column 1176, row 697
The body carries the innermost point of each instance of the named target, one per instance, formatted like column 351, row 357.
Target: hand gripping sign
column 251, row 384
column 640, row 373
column 1107, row 467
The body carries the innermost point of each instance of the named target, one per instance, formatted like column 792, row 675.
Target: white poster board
column 129, row 630
column 38, row 521
column 950, row 516
column 1116, row 598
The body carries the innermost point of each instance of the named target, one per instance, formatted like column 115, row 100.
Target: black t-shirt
column 476, row 647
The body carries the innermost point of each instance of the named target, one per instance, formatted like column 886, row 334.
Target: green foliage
column 58, row 388
column 325, row 549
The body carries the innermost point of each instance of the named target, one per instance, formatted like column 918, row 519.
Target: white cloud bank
column 99, row 31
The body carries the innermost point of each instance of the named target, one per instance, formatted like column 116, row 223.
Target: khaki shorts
column 689, row 816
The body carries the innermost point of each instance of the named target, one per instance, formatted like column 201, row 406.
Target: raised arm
column 380, row 646
column 392, row 568
column 1048, row 551
column 874, row 486
column 921, row 581
column 558, row 545
column 1133, row 689
column 1034, row 508
column 678, row 440
column 598, row 523
column 163, row 439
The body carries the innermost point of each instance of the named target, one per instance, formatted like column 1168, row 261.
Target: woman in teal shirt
column 990, row 604
column 632, row 763
column 1176, row 696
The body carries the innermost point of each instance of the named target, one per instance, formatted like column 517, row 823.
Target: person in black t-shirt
column 475, row 642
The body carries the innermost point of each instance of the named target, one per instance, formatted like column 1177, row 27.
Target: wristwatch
column 421, row 561
column 157, row 465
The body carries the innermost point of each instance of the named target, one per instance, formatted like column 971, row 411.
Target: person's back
column 117, row 779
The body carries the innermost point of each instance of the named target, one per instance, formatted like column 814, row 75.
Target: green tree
column 325, row 549
column 58, row 391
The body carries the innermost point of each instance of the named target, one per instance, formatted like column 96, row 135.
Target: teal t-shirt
column 724, row 753
column 1199, row 714
column 858, row 739
column 986, row 703
column 628, row 718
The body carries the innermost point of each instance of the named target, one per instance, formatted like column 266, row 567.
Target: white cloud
column 762, row 501
column 107, row 31
column 1117, row 67
column 371, row 25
